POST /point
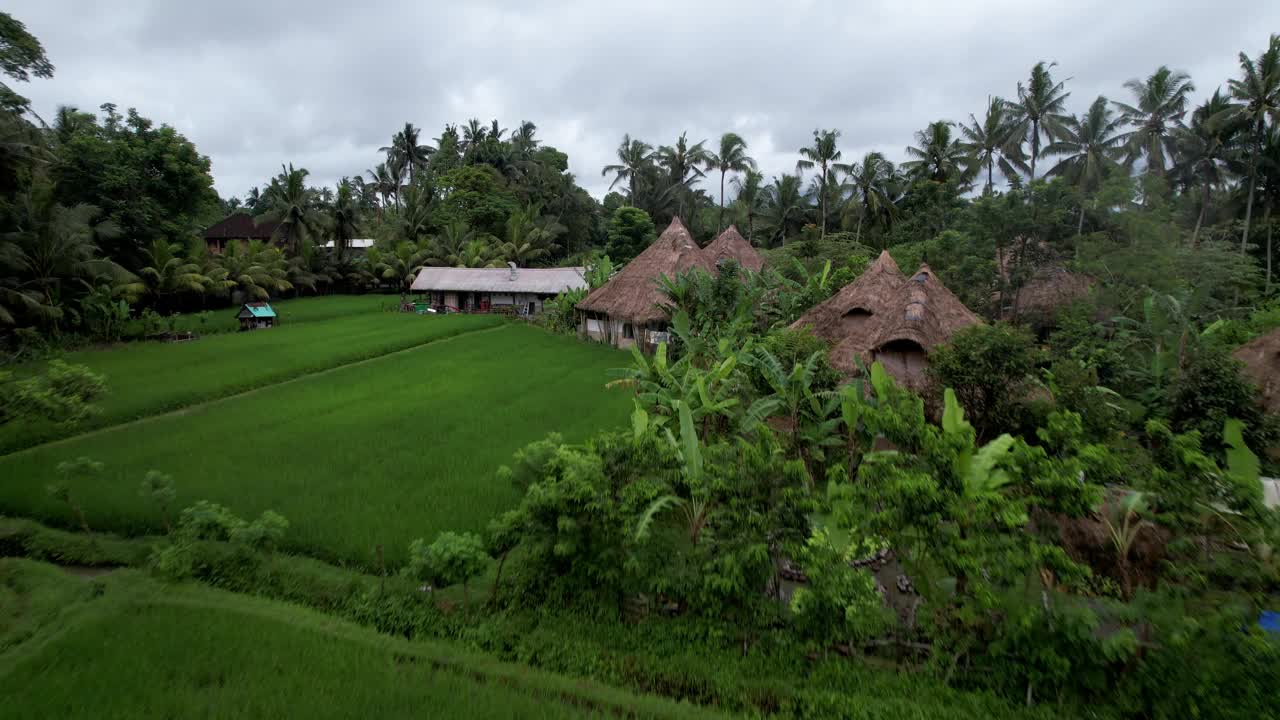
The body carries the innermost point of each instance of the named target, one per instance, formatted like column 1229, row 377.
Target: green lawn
column 148, row 378
column 124, row 646
column 382, row 452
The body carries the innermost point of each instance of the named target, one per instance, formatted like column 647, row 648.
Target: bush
column 988, row 367
column 1210, row 389
column 451, row 559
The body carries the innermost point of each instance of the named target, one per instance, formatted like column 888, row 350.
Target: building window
column 628, row 332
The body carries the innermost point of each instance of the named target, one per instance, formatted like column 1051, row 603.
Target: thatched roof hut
column 887, row 317
column 633, row 295
column 731, row 245
column 1050, row 287
column 1261, row 358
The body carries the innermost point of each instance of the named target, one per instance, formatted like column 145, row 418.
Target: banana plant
column 696, row 508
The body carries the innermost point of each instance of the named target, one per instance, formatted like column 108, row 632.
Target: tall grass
column 149, row 378
column 379, row 453
column 125, row 647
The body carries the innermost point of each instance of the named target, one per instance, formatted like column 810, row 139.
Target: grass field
column 290, row 312
column 124, row 646
column 149, row 378
column 383, row 452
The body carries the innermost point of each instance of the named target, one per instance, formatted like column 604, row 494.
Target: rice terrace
column 914, row 362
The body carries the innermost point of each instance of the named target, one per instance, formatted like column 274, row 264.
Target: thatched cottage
column 888, row 317
column 626, row 310
column 1038, row 298
column 730, row 245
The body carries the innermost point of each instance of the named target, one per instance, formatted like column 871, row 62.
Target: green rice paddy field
column 124, row 646
column 378, row 452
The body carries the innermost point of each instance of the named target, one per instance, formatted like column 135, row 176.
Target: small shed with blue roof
column 256, row 315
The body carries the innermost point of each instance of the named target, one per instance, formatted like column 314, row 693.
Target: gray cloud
column 323, row 84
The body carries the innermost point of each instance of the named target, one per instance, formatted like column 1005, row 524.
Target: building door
column 532, row 307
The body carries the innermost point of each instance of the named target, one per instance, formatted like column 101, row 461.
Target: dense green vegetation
column 125, row 647
column 380, row 453
column 150, row 378
column 1066, row 519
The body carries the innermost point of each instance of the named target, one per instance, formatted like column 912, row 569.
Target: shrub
column 988, row 367
column 1207, row 391
column 451, row 559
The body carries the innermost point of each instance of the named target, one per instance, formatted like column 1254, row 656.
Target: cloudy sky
column 324, row 83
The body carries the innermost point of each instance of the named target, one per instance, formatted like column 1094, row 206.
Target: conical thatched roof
column 1261, row 358
column 1050, row 287
column 883, row 310
column 634, row 293
column 731, row 245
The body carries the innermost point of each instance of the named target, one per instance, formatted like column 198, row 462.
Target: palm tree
column 633, row 156
column 446, row 248
column 1039, row 109
column 1258, row 90
column 472, row 136
column 993, row 143
column 401, row 265
column 343, row 214
column 731, row 158
column 255, row 269
column 1203, row 150
column 871, row 181
column 824, row 155
column 166, row 273
column 523, row 139
column 784, row 206
column 1161, row 104
column 750, row 194
column 404, row 146
column 382, row 181
column 48, row 253
column 526, row 238
column 683, row 164
column 289, row 202
column 1091, row 145
column 939, row 157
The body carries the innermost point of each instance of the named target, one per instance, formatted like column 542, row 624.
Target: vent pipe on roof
column 513, row 269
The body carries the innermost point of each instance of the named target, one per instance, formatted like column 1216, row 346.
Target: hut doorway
column 903, row 359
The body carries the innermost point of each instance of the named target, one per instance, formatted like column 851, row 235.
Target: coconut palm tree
column 633, row 157
column 1091, row 145
column 446, row 248
column 473, row 135
column 825, row 155
column 731, row 158
column 1161, row 105
column 683, row 164
column 939, row 156
column 750, row 195
column 343, row 214
column 382, row 181
column 784, row 207
column 255, row 269
column 524, row 138
column 290, row 203
column 1039, row 110
column 993, row 143
column 167, row 273
column 404, row 145
column 1203, row 150
column 1258, row 92
column 871, row 181
column 527, row 239
column 400, row 265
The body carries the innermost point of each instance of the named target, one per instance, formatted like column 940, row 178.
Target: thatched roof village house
column 626, row 310
column 730, row 245
column 512, row 289
column 1050, row 287
column 887, row 317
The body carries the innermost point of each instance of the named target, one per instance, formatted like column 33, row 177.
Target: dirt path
column 202, row 405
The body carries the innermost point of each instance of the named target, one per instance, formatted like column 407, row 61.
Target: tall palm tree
column 1039, row 109
column 871, row 181
column 166, row 273
column 731, row 158
column 524, row 138
column 633, row 156
column 1091, row 145
column 289, row 202
column 683, row 164
column 1203, row 150
column 993, row 143
column 343, row 214
column 1258, row 92
column 784, row 206
column 825, row 155
column 381, row 179
column 750, row 194
column 1161, row 104
column 404, row 145
column 938, row 157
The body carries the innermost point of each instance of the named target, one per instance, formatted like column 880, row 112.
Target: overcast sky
column 324, row 83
